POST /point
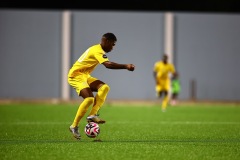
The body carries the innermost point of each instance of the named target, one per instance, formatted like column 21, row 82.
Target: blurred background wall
column 206, row 47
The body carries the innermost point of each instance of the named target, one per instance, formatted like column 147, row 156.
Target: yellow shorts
column 164, row 85
column 81, row 81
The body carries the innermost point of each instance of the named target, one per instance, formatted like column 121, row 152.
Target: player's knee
column 89, row 100
column 104, row 89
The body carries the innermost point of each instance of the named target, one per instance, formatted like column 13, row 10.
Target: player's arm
column 173, row 71
column 155, row 77
column 155, row 69
column 113, row 65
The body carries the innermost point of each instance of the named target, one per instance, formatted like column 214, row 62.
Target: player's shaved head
column 165, row 58
column 108, row 41
column 110, row 36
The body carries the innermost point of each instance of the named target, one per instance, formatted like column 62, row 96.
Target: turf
column 194, row 132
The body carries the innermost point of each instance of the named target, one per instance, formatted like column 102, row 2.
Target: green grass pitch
column 144, row 132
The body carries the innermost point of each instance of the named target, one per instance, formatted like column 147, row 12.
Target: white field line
column 127, row 122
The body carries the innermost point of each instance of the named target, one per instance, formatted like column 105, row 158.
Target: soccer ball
column 92, row 129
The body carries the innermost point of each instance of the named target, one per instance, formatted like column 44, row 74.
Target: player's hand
column 130, row 67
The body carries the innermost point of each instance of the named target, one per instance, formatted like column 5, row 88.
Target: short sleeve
column 101, row 57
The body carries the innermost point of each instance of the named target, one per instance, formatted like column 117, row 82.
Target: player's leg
column 83, row 89
column 166, row 88
column 162, row 91
column 82, row 109
column 176, row 97
column 158, row 90
column 102, row 90
column 88, row 100
column 165, row 100
column 173, row 98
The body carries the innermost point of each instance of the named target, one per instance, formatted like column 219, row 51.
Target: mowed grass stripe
column 124, row 122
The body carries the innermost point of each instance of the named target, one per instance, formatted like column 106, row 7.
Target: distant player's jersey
column 163, row 79
column 163, row 70
column 88, row 61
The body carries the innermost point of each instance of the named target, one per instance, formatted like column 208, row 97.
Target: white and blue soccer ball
column 92, row 129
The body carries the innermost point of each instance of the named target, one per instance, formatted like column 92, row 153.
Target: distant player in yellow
column 161, row 71
column 80, row 79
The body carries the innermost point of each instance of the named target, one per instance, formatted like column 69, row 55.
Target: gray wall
column 206, row 50
column 30, row 54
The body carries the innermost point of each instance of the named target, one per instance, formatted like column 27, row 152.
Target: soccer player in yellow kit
column 79, row 77
column 161, row 72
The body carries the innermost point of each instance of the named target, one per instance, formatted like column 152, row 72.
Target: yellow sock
column 100, row 98
column 82, row 109
column 165, row 102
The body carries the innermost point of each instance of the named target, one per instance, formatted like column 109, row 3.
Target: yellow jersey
column 162, row 70
column 88, row 61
